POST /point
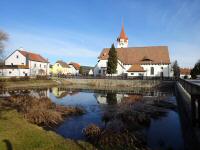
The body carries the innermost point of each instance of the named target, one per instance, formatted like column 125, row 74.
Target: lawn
column 18, row 134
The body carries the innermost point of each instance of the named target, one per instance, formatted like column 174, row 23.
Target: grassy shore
column 29, row 84
column 16, row 133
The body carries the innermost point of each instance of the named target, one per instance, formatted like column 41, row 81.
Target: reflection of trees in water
column 111, row 98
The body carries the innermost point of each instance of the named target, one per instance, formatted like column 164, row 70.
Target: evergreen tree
column 112, row 60
column 196, row 70
column 176, row 69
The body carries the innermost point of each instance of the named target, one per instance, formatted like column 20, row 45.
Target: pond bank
column 114, row 82
column 94, row 84
column 16, row 133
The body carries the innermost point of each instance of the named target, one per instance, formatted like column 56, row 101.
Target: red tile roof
column 33, row 56
column 122, row 34
column 185, row 71
column 76, row 65
column 136, row 68
column 137, row 55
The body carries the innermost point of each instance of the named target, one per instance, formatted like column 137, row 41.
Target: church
column 149, row 61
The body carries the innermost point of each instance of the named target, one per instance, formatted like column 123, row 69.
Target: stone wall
column 114, row 82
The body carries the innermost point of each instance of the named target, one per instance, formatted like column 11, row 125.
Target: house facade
column 185, row 73
column 60, row 67
column 24, row 63
column 74, row 68
column 151, row 61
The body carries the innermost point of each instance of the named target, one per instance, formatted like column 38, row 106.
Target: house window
column 17, row 56
column 11, row 64
column 58, row 65
column 99, row 71
column 44, row 66
column 40, row 65
column 34, row 65
column 132, row 73
column 161, row 67
column 152, row 70
column 10, row 72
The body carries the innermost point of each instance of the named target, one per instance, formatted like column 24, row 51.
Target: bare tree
column 3, row 38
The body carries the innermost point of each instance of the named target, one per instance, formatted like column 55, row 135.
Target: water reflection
column 162, row 133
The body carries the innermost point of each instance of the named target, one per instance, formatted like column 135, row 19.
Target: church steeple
column 122, row 40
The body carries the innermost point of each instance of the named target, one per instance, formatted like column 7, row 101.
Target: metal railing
column 190, row 87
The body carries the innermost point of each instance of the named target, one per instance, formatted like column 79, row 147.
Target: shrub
column 92, row 132
column 41, row 111
column 25, row 78
column 13, row 79
column 40, row 77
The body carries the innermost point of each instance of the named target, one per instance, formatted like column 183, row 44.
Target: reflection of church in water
column 117, row 98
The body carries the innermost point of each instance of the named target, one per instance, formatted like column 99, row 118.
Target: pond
column 163, row 132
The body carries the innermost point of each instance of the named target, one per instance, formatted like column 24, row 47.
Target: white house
column 74, row 68
column 185, row 73
column 150, row 61
column 23, row 63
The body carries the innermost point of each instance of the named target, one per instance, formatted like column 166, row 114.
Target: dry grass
column 41, row 111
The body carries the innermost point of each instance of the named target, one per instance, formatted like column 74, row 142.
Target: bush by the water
column 109, row 139
column 42, row 111
column 92, row 132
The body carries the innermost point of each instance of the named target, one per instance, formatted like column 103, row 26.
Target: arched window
column 152, row 70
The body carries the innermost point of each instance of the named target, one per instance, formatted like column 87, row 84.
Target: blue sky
column 77, row 30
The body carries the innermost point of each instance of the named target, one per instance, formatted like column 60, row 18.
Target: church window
column 152, row 70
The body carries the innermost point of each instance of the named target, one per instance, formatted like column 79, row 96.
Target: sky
column 78, row 30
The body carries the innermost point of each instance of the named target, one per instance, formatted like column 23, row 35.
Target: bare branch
column 3, row 38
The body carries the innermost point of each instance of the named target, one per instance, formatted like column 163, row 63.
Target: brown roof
column 76, row 65
column 185, row 71
column 122, row 34
column 63, row 64
column 136, row 55
column 136, row 68
column 33, row 56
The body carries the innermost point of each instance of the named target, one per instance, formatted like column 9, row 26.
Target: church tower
column 122, row 40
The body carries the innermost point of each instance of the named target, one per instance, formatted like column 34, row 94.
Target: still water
column 163, row 132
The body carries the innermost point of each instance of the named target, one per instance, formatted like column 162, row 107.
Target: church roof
column 136, row 68
column 123, row 34
column 136, row 55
